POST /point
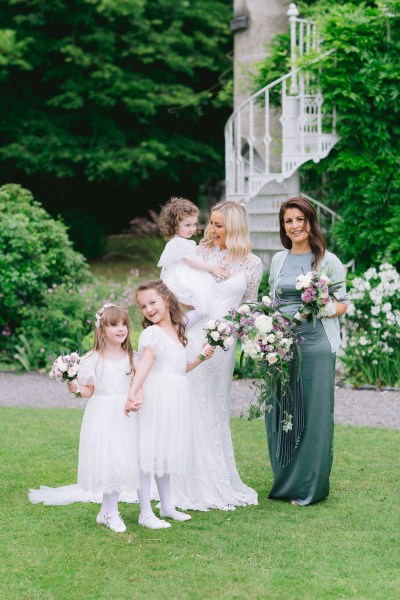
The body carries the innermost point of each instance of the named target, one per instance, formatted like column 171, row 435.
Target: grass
column 345, row 547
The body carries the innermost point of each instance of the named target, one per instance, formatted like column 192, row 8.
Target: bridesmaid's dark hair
column 177, row 315
column 316, row 237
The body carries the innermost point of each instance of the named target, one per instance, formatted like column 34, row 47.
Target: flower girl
column 185, row 274
column 164, row 422
column 108, row 463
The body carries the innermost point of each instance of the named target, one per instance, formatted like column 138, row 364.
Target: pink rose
column 306, row 297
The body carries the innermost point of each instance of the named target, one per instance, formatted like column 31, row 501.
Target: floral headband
column 97, row 317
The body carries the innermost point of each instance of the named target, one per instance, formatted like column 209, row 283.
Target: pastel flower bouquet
column 318, row 294
column 65, row 368
column 218, row 334
column 267, row 338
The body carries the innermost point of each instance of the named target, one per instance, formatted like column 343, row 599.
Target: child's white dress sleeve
column 87, row 367
column 151, row 338
column 191, row 286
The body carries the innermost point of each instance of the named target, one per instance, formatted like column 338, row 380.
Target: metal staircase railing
column 265, row 142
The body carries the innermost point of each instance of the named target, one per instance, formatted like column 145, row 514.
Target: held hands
column 132, row 405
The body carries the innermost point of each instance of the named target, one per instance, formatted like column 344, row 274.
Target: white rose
column 263, row 324
column 61, row 365
column 266, row 300
column 228, row 342
column 272, row 358
column 215, row 335
column 286, row 342
column 251, row 349
column 271, row 338
column 243, row 310
column 73, row 370
column 324, row 278
column 211, row 324
column 222, row 327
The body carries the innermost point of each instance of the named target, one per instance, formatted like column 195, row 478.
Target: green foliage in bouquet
column 372, row 351
column 360, row 178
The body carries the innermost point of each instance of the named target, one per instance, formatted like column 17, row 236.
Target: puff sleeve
column 87, row 369
column 175, row 250
column 151, row 338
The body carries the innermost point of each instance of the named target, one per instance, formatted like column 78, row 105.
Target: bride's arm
column 253, row 276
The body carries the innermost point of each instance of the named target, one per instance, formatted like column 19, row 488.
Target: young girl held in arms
column 185, row 274
column 108, row 463
column 164, row 421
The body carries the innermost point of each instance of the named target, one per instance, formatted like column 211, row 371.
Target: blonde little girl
column 185, row 274
column 108, row 463
column 164, row 421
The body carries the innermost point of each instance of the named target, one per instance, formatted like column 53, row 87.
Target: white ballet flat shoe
column 172, row 513
column 113, row 522
column 153, row 522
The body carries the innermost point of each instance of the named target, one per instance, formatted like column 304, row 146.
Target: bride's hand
column 220, row 272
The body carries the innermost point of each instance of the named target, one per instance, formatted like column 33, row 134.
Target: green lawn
column 345, row 547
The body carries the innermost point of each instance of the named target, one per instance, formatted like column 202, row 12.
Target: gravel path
column 352, row 407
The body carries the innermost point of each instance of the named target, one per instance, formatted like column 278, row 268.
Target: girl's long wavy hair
column 113, row 316
column 315, row 236
column 177, row 315
column 237, row 230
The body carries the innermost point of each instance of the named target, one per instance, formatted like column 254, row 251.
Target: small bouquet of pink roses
column 218, row 333
column 318, row 295
column 66, row 368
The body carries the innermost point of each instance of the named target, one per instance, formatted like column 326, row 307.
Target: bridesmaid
column 305, row 479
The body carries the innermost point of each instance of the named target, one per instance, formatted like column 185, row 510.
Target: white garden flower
column 386, row 307
column 371, row 274
column 264, row 324
column 375, row 310
column 215, row 335
column 364, row 341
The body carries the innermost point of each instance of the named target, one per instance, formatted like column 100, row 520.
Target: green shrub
column 35, row 255
column 372, row 352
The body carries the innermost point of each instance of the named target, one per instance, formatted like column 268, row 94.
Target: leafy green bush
column 372, row 352
column 35, row 255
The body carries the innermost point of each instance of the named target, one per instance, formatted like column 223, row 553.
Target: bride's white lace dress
column 213, row 480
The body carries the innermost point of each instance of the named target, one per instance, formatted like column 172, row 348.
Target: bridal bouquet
column 267, row 338
column 319, row 296
column 218, row 333
column 66, row 368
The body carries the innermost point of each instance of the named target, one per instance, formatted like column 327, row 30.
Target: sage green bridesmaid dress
column 305, row 477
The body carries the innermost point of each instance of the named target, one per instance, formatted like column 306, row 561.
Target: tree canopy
column 106, row 95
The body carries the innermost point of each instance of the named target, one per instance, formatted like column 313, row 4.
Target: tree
column 103, row 95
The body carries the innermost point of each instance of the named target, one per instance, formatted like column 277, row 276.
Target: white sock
column 147, row 518
column 166, row 510
column 109, row 504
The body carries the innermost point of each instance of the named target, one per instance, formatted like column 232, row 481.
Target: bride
column 213, row 480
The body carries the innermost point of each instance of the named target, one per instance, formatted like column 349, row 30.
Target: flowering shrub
column 372, row 352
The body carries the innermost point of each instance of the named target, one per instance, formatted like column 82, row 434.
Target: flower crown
column 97, row 317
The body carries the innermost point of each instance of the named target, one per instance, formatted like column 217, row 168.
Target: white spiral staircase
column 273, row 133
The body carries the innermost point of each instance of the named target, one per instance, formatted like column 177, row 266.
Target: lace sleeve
column 253, row 275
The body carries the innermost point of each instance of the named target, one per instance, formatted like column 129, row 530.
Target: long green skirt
column 306, row 478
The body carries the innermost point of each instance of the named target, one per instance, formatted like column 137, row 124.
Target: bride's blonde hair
column 237, row 230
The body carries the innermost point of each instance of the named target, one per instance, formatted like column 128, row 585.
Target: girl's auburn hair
column 177, row 315
column 237, row 230
column 112, row 316
column 173, row 212
column 315, row 236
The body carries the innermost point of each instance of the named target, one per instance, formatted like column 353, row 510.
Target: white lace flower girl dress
column 108, row 459
column 191, row 286
column 164, row 421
